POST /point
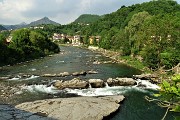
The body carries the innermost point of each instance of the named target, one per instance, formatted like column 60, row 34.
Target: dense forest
column 150, row 31
column 24, row 44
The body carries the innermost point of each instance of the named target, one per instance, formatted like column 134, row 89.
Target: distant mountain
column 13, row 27
column 44, row 20
column 2, row 28
column 87, row 18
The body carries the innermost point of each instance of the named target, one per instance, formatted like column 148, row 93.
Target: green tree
column 133, row 31
column 86, row 40
column 169, row 96
column 94, row 41
column 38, row 40
column 162, row 41
column 20, row 38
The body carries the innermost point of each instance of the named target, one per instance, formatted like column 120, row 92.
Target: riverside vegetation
column 25, row 45
column 147, row 32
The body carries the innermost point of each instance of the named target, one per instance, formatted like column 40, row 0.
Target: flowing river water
column 73, row 59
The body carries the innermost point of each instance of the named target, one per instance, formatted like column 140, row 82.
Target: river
column 73, row 59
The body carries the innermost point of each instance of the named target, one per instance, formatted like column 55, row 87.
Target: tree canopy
column 24, row 45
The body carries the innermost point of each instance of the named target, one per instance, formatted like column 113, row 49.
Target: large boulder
column 59, row 84
column 96, row 83
column 74, row 84
column 78, row 108
column 121, row 82
column 145, row 76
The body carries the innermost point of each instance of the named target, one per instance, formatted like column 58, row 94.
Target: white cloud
column 10, row 10
column 62, row 11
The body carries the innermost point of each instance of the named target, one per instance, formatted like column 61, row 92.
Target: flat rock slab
column 77, row 108
column 8, row 112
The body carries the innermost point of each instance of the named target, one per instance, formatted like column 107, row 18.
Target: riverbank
column 136, row 63
column 118, row 58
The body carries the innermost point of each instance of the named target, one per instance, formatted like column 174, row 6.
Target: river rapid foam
column 142, row 86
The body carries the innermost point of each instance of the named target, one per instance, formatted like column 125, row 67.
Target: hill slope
column 130, row 30
column 87, row 18
column 13, row 27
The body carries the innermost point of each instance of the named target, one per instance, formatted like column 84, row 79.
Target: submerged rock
column 79, row 108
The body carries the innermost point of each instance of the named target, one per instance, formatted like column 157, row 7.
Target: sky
column 61, row 11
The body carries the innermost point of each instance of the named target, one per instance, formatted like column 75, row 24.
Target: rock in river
column 78, row 108
column 74, row 84
column 121, row 82
column 96, row 83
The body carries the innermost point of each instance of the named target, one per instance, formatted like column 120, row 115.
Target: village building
column 76, row 40
column 58, row 37
column 8, row 40
column 94, row 39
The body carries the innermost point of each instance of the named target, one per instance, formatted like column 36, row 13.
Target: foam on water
column 119, row 90
column 147, row 84
column 33, row 69
column 20, row 78
column 115, row 90
column 32, row 77
column 15, row 78
column 41, row 88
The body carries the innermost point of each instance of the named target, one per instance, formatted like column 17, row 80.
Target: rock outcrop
column 74, row 84
column 121, row 82
column 96, row 83
column 145, row 76
column 8, row 112
column 78, row 108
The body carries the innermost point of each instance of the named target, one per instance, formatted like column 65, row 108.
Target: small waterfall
column 146, row 84
column 106, row 85
column 90, row 85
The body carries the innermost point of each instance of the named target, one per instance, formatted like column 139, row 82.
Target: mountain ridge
column 2, row 28
column 44, row 20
